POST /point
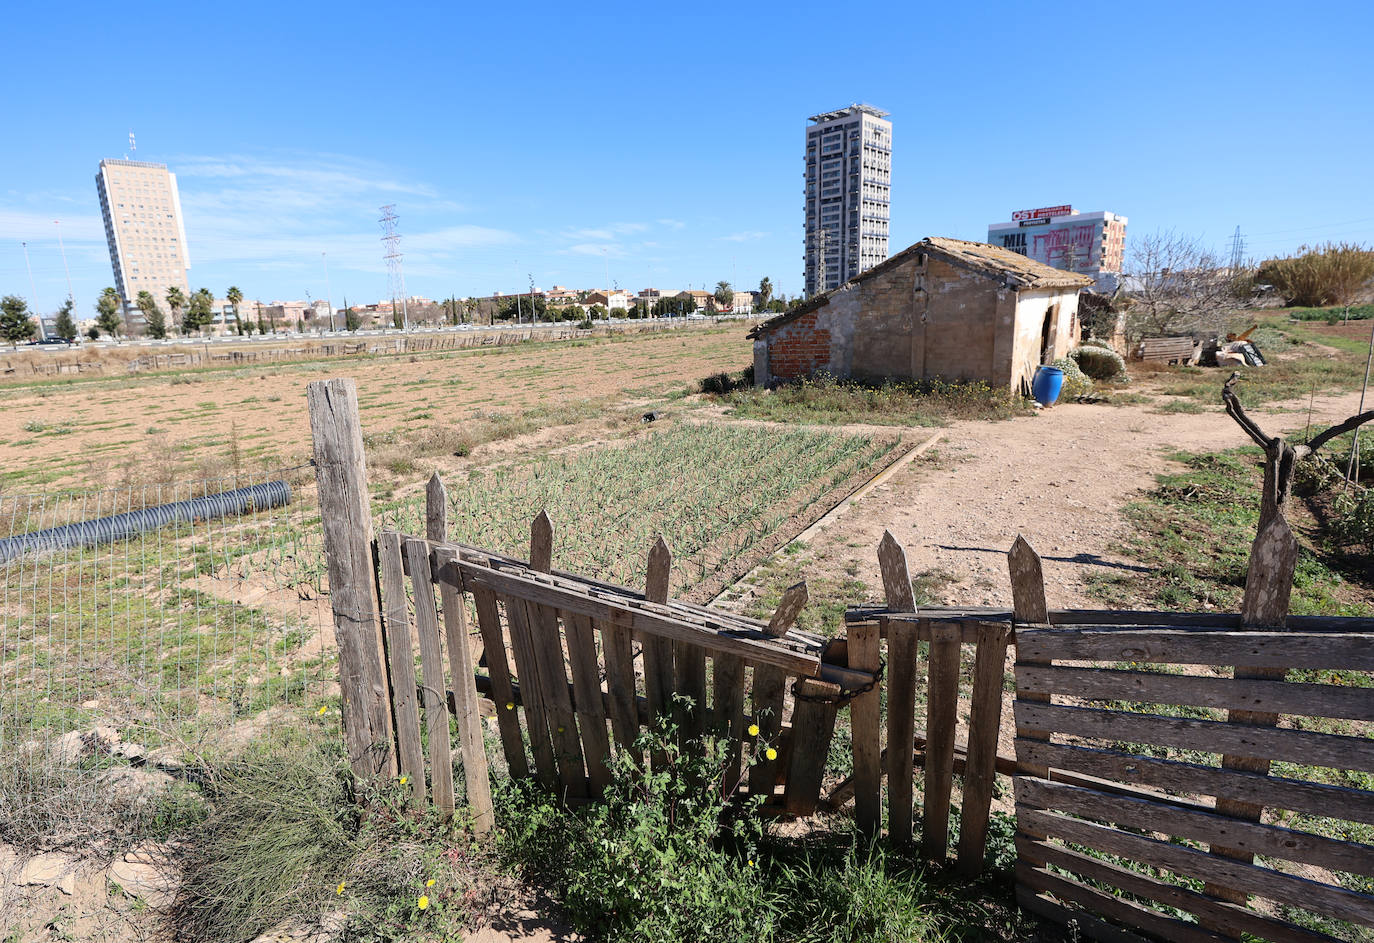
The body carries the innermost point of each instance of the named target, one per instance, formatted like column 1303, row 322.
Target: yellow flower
column 510, row 705
column 322, row 711
column 423, row 902
column 753, row 730
column 404, row 780
column 339, row 890
column 771, row 753
column 429, row 883
column 751, row 863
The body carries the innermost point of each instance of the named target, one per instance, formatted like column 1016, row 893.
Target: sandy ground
column 1059, row 478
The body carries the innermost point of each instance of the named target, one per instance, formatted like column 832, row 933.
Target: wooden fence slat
column 620, row 685
column 901, row 689
column 1282, row 697
column 499, row 674
column 865, row 728
column 1094, row 928
column 587, row 704
column 436, row 509
column 532, row 693
column 727, row 675
column 401, row 660
column 433, row 691
column 942, row 702
column 1209, row 736
column 1224, row 916
column 813, row 724
column 1282, row 888
column 1193, row 778
column 476, row 775
column 547, row 642
column 768, row 700
column 689, row 663
column 1179, row 822
column 1185, row 646
column 1268, row 586
column 346, row 524
column 980, row 774
column 659, row 676
column 1115, row 908
column 766, row 706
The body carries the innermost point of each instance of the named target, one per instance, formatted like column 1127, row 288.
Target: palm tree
column 176, row 300
column 235, row 296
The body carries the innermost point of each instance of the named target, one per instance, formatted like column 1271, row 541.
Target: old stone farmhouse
column 941, row 308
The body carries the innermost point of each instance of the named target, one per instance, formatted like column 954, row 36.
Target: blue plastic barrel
column 1047, row 384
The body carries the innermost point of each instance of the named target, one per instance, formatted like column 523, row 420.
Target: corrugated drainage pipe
column 106, row 530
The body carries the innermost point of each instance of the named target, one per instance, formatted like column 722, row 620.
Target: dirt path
column 1059, row 478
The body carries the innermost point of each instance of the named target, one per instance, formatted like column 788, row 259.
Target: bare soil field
column 95, row 433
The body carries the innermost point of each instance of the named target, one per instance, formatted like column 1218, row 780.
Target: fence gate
column 560, row 653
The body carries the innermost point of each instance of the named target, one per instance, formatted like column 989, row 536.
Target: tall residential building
column 1089, row 243
column 143, row 227
column 848, row 194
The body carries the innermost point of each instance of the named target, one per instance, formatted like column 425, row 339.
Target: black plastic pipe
column 105, row 530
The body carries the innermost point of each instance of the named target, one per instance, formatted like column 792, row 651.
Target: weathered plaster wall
column 1030, row 321
column 957, row 338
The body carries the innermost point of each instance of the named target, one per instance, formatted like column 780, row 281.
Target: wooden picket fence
column 560, row 656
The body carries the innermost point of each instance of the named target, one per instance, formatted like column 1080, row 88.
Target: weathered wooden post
column 346, row 518
column 901, row 688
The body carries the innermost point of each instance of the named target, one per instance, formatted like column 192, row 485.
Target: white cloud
column 29, row 226
column 672, row 223
column 749, row 236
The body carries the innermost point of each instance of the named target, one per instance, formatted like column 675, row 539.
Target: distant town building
column 848, row 194
column 144, row 230
column 1091, row 244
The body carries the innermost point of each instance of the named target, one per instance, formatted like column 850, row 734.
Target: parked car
column 52, row 340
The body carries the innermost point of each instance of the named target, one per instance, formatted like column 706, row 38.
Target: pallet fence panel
column 400, row 656
column 499, row 673
column 433, row 688
column 1100, row 795
column 476, row 776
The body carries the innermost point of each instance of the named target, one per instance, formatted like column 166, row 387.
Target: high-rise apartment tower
column 143, row 227
column 848, row 194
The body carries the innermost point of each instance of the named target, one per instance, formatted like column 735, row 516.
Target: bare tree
column 1280, row 456
column 1176, row 285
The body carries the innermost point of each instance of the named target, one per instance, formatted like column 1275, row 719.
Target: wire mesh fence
column 138, row 624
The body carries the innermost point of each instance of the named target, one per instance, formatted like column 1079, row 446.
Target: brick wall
column 799, row 348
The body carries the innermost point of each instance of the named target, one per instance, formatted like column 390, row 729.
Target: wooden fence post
column 770, row 690
column 1268, row 586
column 901, row 689
column 436, row 510
column 346, row 518
column 658, row 652
column 865, row 654
column 1029, row 607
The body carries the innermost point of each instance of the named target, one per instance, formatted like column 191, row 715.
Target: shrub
column 663, row 856
column 1321, row 275
column 281, row 834
column 722, row 383
column 1076, row 383
column 1100, row 363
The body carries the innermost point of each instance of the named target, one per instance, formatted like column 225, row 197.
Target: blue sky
column 662, row 144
